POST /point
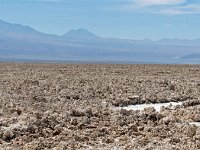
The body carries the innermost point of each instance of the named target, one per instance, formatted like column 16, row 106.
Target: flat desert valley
column 99, row 107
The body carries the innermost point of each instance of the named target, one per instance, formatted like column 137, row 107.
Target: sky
column 130, row 19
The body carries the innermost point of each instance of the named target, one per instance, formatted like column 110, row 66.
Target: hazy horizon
column 158, row 31
column 127, row 19
column 89, row 31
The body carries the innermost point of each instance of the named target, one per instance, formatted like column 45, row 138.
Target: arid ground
column 65, row 107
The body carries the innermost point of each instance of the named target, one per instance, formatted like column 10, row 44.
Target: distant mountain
column 23, row 42
column 80, row 34
column 18, row 31
column 180, row 41
column 195, row 56
column 16, row 28
column 8, row 29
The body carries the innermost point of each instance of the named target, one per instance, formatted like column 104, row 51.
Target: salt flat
column 99, row 106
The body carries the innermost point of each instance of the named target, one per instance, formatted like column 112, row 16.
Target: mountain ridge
column 19, row 41
column 71, row 32
column 80, row 33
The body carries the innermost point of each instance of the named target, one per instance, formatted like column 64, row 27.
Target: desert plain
column 83, row 107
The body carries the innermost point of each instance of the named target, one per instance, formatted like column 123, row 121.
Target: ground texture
column 55, row 106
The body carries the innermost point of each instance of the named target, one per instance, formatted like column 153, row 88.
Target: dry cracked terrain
column 71, row 106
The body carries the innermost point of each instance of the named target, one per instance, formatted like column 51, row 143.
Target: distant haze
column 19, row 42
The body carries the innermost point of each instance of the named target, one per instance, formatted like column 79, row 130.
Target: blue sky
column 136, row 19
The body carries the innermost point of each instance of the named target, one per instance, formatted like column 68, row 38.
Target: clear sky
column 136, row 19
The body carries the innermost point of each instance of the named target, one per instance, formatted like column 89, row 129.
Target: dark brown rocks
column 7, row 136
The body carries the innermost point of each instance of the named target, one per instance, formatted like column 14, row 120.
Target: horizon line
column 141, row 39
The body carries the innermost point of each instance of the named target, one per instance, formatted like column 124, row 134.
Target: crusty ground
column 72, row 106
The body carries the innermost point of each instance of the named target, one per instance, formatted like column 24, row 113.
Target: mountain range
column 19, row 42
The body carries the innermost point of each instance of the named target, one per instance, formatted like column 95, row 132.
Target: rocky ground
column 58, row 107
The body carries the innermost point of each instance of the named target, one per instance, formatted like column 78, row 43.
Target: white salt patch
column 195, row 123
column 157, row 106
column 104, row 104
